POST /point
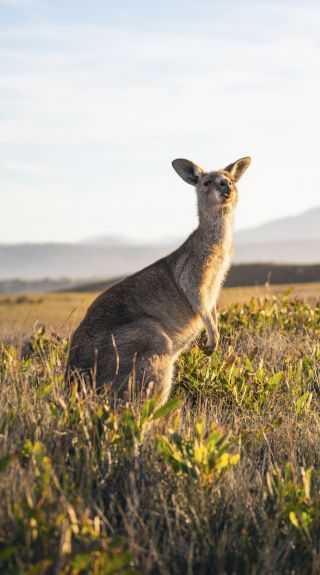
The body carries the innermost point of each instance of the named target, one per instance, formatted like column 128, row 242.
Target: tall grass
column 223, row 479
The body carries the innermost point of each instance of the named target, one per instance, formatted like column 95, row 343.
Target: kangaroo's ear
column 187, row 170
column 238, row 168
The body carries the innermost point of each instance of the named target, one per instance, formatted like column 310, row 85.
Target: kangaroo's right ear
column 187, row 170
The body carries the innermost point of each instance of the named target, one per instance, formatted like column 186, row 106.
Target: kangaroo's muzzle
column 224, row 187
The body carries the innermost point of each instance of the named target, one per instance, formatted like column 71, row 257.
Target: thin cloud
column 18, row 3
column 30, row 168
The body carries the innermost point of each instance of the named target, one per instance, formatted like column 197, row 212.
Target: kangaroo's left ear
column 238, row 168
column 187, row 170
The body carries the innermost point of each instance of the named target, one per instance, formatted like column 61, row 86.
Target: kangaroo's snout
column 224, row 187
column 224, row 184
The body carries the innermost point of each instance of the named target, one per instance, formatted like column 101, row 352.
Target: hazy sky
column 98, row 97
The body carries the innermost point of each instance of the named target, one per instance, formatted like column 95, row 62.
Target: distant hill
column 305, row 226
column 239, row 275
column 76, row 262
column 294, row 240
column 108, row 241
column 37, row 261
column 283, row 252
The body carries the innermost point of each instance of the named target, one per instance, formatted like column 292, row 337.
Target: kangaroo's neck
column 205, row 255
column 207, row 244
column 215, row 231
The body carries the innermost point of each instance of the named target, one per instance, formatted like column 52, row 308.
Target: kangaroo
column 135, row 330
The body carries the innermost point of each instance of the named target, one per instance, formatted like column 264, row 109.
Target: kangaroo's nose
column 224, row 185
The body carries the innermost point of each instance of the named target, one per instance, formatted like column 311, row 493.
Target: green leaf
column 6, row 553
column 164, row 446
column 200, row 428
column 39, row 449
column 148, row 409
column 306, row 477
column 6, row 460
column 226, row 460
column 248, row 364
column 275, row 379
column 44, row 390
column 303, row 403
column 293, row 518
column 81, row 561
column 306, row 520
column 40, row 568
column 115, row 563
column 166, row 408
column 234, row 459
column 27, row 448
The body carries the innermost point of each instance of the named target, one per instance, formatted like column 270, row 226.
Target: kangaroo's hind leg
column 153, row 375
column 137, row 361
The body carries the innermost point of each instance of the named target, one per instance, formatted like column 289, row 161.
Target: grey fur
column 134, row 331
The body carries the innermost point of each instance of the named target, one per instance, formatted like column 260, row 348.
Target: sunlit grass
column 223, row 479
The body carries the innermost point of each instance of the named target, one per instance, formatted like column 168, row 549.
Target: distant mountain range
column 289, row 240
column 305, row 226
column 78, row 261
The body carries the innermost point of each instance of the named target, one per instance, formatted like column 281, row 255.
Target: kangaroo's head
column 216, row 190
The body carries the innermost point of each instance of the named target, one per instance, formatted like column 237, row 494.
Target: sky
column 97, row 98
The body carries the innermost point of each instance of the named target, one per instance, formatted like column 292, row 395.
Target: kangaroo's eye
column 207, row 183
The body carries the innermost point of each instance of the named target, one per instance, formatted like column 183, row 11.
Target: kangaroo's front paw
column 210, row 346
column 207, row 349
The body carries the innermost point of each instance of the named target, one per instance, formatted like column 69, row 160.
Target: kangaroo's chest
column 214, row 273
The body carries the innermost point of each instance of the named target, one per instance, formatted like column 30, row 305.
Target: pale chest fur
column 199, row 268
column 215, row 270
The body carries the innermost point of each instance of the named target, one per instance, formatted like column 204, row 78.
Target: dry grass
column 62, row 311
column 85, row 489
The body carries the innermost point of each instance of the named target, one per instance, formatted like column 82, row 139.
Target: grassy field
column 61, row 311
column 224, row 479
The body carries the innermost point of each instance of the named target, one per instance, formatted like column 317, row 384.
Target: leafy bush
column 200, row 456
